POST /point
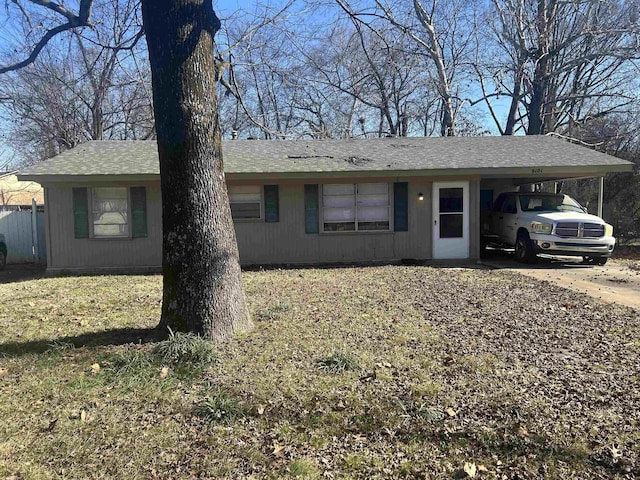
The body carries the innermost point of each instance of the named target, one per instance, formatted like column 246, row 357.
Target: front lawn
column 380, row 372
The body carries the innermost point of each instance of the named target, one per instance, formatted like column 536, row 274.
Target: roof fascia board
column 85, row 179
column 503, row 172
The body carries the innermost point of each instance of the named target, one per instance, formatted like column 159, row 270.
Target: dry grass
column 454, row 366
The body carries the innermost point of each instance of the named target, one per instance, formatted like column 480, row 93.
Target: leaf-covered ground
column 379, row 372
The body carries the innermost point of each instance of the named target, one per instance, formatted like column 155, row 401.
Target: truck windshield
column 549, row 203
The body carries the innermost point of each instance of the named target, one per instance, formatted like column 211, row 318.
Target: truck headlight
column 541, row 227
column 608, row 230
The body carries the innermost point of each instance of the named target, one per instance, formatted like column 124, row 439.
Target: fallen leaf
column 615, row 452
column 278, row 450
column 261, row 409
column 164, row 372
column 482, row 468
column 522, row 432
column 451, row 412
column 3, row 372
column 95, row 368
column 470, row 469
column 84, row 416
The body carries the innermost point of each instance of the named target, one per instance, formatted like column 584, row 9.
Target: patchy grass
column 339, row 361
column 186, row 349
column 442, row 371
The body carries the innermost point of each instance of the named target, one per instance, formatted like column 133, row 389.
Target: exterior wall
column 287, row 242
column 283, row 242
column 65, row 252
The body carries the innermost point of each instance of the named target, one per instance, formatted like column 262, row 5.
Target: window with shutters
column 362, row 207
column 110, row 212
column 246, row 202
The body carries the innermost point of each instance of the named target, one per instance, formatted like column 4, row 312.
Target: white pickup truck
column 549, row 223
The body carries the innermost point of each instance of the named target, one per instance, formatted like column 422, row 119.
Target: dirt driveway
column 617, row 282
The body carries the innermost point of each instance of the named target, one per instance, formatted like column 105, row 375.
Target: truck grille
column 580, row 230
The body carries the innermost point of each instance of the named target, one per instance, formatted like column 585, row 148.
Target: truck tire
column 595, row 260
column 524, row 249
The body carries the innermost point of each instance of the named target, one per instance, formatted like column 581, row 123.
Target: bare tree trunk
column 202, row 290
column 540, row 83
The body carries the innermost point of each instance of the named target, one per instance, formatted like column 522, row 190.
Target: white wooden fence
column 24, row 235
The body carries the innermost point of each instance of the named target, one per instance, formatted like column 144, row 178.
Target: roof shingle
column 321, row 156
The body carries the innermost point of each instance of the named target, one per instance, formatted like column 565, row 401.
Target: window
column 355, row 208
column 246, row 202
column 110, row 212
column 509, row 205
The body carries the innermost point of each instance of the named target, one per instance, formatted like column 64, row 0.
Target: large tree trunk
column 202, row 286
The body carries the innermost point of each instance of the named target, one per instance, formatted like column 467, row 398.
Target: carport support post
column 600, row 196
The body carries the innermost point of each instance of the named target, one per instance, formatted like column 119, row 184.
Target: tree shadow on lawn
column 118, row 336
column 22, row 272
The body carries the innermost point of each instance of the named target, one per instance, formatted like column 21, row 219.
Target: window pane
column 373, row 199
column 451, row 226
column 338, row 201
column 369, row 226
column 373, row 214
column 245, row 197
column 245, row 210
column 110, row 230
column 339, row 214
column 451, row 199
column 373, row 188
column 338, row 189
column 340, row 227
column 110, row 212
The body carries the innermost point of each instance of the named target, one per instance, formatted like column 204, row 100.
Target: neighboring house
column 18, row 195
column 303, row 202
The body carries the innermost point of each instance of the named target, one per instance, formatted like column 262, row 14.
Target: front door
column 450, row 220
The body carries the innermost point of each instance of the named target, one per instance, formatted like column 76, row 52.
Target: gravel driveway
column 616, row 282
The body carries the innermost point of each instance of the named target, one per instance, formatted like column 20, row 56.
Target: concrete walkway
column 616, row 282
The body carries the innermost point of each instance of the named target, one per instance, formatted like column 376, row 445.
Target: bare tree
column 442, row 34
column 202, row 286
column 561, row 63
column 90, row 88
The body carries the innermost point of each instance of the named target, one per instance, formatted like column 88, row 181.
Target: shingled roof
column 306, row 158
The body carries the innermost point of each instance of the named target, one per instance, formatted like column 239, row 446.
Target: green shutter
column 81, row 212
column 271, row 203
column 138, row 212
column 401, row 206
column 311, row 208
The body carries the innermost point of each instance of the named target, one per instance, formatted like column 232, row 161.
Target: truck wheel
column 3, row 260
column 524, row 249
column 595, row 260
column 601, row 260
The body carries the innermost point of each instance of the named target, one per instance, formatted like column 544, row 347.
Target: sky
column 10, row 42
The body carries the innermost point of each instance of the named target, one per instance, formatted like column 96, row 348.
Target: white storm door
column 450, row 220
